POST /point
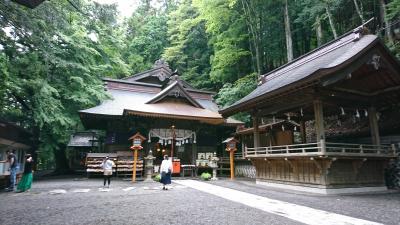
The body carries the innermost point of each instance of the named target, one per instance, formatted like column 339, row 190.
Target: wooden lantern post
column 173, row 142
column 137, row 140
column 231, row 148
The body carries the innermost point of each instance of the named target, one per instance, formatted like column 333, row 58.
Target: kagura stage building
column 345, row 96
column 176, row 118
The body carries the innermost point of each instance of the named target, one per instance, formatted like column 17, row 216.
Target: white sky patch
column 125, row 7
column 9, row 32
column 292, row 211
column 93, row 36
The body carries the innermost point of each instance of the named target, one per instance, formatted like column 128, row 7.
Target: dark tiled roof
column 328, row 56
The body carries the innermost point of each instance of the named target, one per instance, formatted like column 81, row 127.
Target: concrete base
column 324, row 191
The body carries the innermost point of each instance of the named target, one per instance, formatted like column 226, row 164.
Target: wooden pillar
column 319, row 125
column 256, row 132
column 135, row 156
column 303, row 131
column 231, row 161
column 194, row 153
column 319, row 120
column 243, row 147
column 373, row 126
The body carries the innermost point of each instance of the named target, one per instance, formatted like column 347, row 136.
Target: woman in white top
column 107, row 166
column 166, row 170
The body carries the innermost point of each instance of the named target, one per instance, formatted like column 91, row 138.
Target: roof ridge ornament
column 174, row 77
column 361, row 30
column 160, row 63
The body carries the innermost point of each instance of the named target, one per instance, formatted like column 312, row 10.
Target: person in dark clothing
column 26, row 180
column 166, row 170
column 12, row 159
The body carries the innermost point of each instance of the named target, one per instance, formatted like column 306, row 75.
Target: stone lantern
column 214, row 165
column 149, row 166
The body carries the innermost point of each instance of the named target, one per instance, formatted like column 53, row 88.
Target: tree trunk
column 253, row 34
column 331, row 23
column 385, row 21
column 288, row 33
column 359, row 11
column 318, row 29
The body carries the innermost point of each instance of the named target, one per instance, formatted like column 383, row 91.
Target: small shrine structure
column 345, row 97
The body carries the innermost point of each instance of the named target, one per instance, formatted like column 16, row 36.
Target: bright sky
column 126, row 7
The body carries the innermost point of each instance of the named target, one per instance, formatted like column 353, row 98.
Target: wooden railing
column 322, row 148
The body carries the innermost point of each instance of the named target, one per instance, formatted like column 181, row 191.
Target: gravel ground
column 378, row 207
column 148, row 204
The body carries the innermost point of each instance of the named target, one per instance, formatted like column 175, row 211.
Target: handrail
column 322, row 148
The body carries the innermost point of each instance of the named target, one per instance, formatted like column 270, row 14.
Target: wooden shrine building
column 175, row 117
column 345, row 96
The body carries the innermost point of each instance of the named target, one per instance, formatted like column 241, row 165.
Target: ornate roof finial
column 160, row 63
column 174, row 77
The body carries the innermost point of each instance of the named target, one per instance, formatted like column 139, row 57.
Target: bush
column 157, row 178
column 205, row 176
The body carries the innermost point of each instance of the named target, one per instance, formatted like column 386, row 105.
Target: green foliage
column 146, row 38
column 205, row 176
column 393, row 9
column 230, row 93
column 157, row 178
column 189, row 51
column 52, row 69
column 228, row 39
column 52, row 58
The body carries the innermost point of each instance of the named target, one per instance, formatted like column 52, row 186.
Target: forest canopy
column 52, row 58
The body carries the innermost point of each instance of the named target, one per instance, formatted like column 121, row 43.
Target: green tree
column 189, row 51
column 146, row 37
column 52, row 70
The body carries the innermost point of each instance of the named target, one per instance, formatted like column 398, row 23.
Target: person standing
column 26, row 181
column 166, row 171
column 107, row 166
column 12, row 160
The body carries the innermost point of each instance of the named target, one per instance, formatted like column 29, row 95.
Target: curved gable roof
column 174, row 87
column 330, row 56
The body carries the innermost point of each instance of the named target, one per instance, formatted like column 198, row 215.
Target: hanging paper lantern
column 187, row 141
